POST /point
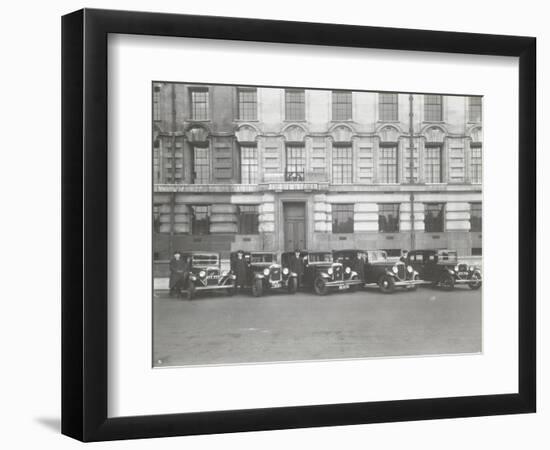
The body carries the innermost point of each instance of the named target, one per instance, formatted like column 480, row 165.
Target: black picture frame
column 84, row 224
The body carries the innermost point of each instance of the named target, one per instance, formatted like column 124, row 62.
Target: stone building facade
column 237, row 167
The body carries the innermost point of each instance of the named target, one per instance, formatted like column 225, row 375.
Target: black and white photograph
column 302, row 224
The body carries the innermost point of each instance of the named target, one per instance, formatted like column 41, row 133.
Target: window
column 295, row 162
column 475, row 216
column 342, row 163
column 248, row 219
column 387, row 161
column 295, row 105
column 341, row 105
column 476, row 251
column 476, row 170
column 248, row 104
column 200, row 219
column 474, row 109
column 156, row 103
column 249, row 164
column 433, row 108
column 199, row 104
column 201, row 165
column 156, row 218
column 432, row 164
column 433, row 217
column 388, row 217
column 387, row 105
column 342, row 218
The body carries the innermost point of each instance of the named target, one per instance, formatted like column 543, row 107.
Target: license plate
column 276, row 284
column 343, row 286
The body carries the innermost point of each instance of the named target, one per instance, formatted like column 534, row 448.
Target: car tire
column 191, row 291
column 414, row 287
column 257, row 288
column 320, row 286
column 476, row 284
column 447, row 282
column 386, row 284
column 292, row 285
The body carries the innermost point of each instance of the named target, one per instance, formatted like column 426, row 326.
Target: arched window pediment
column 197, row 134
column 294, row 133
column 434, row 135
column 388, row 134
column 476, row 135
column 341, row 133
column 246, row 133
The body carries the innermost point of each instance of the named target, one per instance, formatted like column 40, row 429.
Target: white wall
column 30, row 176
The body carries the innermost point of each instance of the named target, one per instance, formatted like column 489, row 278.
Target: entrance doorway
column 294, row 215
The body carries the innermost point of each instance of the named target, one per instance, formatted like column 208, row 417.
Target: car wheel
column 386, row 284
column 257, row 288
column 292, row 285
column 447, row 282
column 475, row 284
column 191, row 291
column 320, row 286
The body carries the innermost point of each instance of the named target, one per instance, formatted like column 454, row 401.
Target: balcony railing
column 295, row 175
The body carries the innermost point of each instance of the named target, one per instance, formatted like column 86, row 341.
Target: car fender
column 259, row 276
column 391, row 274
column 293, row 275
column 323, row 275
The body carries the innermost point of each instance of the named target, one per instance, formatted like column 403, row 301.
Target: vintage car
column 322, row 274
column 378, row 270
column 441, row 268
column 264, row 273
column 205, row 274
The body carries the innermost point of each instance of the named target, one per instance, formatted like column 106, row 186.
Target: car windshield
column 319, row 257
column 261, row 258
column 377, row 256
column 447, row 256
column 204, row 260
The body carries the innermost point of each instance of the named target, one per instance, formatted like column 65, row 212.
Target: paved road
column 216, row 329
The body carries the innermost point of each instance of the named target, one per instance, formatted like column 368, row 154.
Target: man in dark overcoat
column 178, row 274
column 297, row 265
column 240, row 269
column 358, row 265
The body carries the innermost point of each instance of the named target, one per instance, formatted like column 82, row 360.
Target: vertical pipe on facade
column 173, row 144
column 411, row 167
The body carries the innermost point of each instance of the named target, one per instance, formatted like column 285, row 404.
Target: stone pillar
column 365, row 217
column 405, row 216
column 322, row 214
column 182, row 215
column 223, row 218
column 457, row 216
column 267, row 214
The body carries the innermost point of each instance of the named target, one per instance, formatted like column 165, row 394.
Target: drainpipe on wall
column 411, row 168
column 173, row 149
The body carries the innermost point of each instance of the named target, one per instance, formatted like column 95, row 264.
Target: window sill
column 246, row 121
column 434, row 121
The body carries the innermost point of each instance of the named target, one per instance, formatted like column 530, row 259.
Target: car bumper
column 467, row 281
column 213, row 288
column 345, row 283
column 404, row 284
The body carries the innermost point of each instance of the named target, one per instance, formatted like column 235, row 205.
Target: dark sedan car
column 375, row 269
column 322, row 274
column 441, row 268
column 264, row 273
column 205, row 274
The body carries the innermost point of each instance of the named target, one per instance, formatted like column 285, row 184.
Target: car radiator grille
column 338, row 273
column 275, row 274
column 401, row 271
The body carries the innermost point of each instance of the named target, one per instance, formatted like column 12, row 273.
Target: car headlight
column 202, row 274
column 224, row 273
column 394, row 269
column 329, row 271
column 348, row 270
column 266, row 271
column 285, row 271
column 456, row 268
column 471, row 268
column 409, row 269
